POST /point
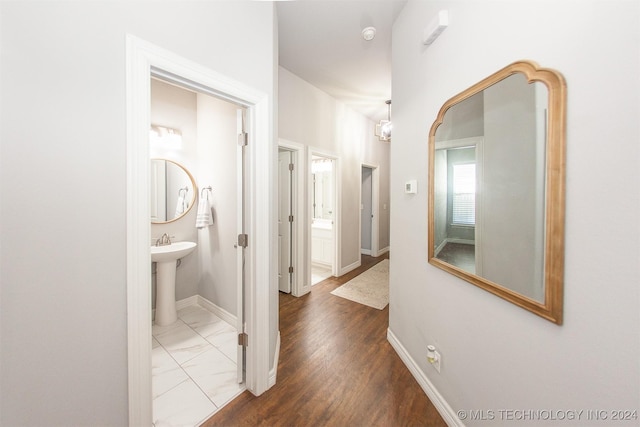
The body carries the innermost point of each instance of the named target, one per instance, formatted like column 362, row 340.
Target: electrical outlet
column 436, row 362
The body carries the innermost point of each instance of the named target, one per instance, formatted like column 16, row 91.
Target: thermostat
column 411, row 187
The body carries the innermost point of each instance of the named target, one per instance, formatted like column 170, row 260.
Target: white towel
column 180, row 206
column 204, row 218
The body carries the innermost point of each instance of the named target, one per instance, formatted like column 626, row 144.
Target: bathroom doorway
column 196, row 356
column 144, row 62
column 323, row 206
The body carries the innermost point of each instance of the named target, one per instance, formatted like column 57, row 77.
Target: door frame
column 375, row 208
column 337, row 203
column 299, row 284
column 141, row 58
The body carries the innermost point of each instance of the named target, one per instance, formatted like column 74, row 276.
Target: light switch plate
column 411, row 187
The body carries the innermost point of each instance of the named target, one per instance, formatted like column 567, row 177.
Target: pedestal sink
column 166, row 258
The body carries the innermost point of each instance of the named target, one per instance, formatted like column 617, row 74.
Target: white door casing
column 141, row 58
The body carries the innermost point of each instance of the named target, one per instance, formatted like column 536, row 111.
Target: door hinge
column 290, row 218
column 290, row 166
column 243, row 339
column 291, row 269
column 243, row 139
column 243, row 240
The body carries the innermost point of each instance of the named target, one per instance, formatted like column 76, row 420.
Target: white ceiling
column 320, row 41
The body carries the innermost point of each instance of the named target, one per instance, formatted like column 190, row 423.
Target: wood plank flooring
column 336, row 368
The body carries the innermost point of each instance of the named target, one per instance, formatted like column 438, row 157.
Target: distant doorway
column 366, row 210
column 323, row 208
column 369, row 196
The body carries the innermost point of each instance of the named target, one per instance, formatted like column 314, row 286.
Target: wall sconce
column 164, row 137
column 383, row 129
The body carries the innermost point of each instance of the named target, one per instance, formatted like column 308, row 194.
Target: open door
column 285, row 220
column 241, row 246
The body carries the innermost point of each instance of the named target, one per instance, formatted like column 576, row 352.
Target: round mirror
column 173, row 191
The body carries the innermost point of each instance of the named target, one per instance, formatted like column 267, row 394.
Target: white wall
column 496, row 355
column 175, row 108
column 217, row 145
column 313, row 118
column 63, row 255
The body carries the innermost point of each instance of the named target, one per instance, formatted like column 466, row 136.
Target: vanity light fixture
column 383, row 129
column 436, row 27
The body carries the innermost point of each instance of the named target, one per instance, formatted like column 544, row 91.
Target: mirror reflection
column 172, row 191
column 496, row 196
column 489, row 172
column 322, row 196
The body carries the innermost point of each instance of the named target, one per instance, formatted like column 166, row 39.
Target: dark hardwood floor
column 336, row 368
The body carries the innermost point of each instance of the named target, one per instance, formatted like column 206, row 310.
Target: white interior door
column 366, row 210
column 285, row 220
column 240, row 259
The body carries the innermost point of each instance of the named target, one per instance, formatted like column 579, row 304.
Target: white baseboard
column 274, row 369
column 382, row 251
column 349, row 268
column 440, row 247
column 218, row 311
column 447, row 413
column 365, row 251
column 187, row 302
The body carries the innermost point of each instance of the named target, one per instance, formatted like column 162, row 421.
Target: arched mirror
column 496, row 187
column 173, row 191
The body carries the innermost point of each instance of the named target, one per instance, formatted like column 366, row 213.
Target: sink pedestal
column 166, row 312
column 166, row 258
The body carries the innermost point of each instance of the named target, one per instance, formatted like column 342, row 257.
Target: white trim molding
column 350, row 267
column 432, row 393
column 274, row 369
column 143, row 58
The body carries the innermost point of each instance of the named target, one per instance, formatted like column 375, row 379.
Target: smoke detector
column 369, row 33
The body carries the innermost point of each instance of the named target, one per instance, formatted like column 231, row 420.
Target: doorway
column 366, row 211
column 369, row 211
column 291, row 219
column 323, row 208
column 195, row 354
column 143, row 61
column 285, row 220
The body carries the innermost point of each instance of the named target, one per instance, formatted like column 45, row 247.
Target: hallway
column 336, row 369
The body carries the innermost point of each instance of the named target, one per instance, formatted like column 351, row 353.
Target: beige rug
column 369, row 288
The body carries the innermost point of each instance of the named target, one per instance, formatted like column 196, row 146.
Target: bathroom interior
column 322, row 226
column 194, row 198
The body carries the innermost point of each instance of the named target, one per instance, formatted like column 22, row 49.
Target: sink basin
column 171, row 252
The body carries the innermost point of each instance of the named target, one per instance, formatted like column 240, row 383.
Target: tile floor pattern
column 194, row 368
column 319, row 273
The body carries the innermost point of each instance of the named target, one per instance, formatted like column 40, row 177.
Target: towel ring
column 202, row 192
column 186, row 191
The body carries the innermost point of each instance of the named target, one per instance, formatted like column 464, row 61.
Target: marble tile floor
column 319, row 273
column 194, row 368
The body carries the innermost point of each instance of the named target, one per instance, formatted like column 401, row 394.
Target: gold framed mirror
column 173, row 191
column 497, row 187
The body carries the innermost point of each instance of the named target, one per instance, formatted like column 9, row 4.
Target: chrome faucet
column 164, row 240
